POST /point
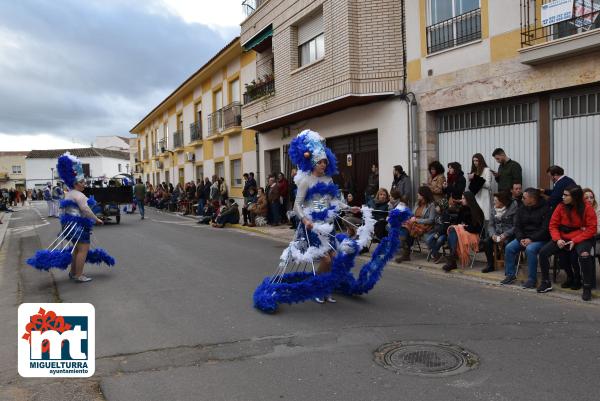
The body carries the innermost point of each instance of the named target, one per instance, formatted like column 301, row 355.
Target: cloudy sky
column 74, row 69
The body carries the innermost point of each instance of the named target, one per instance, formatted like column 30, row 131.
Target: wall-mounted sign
column 557, row 11
column 349, row 159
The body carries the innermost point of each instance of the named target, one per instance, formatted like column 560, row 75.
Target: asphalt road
column 174, row 321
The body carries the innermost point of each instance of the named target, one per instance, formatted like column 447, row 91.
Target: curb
column 4, row 226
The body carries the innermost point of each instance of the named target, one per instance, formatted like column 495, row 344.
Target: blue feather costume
column 75, row 228
column 321, row 205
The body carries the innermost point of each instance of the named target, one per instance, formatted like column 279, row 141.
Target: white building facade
column 41, row 164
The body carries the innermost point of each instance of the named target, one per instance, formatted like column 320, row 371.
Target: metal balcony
column 259, row 89
column 541, row 24
column 196, row 131
column 250, row 6
column 178, row 139
column 215, row 122
column 454, row 32
column 232, row 115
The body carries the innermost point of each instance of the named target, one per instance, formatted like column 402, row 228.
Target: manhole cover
column 425, row 358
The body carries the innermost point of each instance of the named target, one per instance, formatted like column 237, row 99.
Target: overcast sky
column 74, row 69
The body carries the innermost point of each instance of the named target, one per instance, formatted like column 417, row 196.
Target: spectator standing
column 509, row 172
column 372, row 186
column 249, row 200
column 57, row 195
column 455, row 179
column 274, row 202
column 139, row 190
column 501, row 227
column 402, row 183
column 215, row 193
column 282, row 186
column 464, row 236
column 207, row 186
column 572, row 227
column 531, row 234
column 200, row 196
column 436, row 179
column 480, row 184
column 223, row 190
column 560, row 182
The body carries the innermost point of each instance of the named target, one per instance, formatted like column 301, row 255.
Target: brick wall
column 363, row 53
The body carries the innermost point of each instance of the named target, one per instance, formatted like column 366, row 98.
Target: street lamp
column 52, row 176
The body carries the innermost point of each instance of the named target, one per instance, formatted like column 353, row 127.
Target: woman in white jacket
column 480, row 183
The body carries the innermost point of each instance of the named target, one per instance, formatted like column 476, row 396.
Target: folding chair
column 473, row 254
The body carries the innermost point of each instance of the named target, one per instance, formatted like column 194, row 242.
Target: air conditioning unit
column 190, row 156
column 158, row 164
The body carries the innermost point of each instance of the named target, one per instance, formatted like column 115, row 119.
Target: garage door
column 576, row 137
column 513, row 127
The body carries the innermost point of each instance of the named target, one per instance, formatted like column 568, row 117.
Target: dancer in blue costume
column 72, row 246
column 318, row 204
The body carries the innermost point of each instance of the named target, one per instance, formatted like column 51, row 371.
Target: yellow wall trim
column 189, row 98
column 208, row 150
column 413, row 70
column 485, row 19
column 206, row 86
column 247, row 58
column 172, row 111
column 505, row 45
column 248, row 142
column 423, row 25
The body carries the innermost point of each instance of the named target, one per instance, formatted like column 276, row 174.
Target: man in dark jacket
column 230, row 214
column 560, row 182
column 531, row 234
column 509, row 172
column 402, row 183
column 372, row 186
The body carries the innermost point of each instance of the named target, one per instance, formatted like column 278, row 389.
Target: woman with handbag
column 480, row 184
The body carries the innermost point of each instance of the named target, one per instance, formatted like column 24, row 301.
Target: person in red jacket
column 283, row 185
column 572, row 228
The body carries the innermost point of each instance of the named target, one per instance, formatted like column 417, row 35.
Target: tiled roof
column 81, row 152
column 15, row 153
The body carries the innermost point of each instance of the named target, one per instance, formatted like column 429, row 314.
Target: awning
column 259, row 39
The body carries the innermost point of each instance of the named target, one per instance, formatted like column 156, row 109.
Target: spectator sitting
column 436, row 179
column 509, row 172
column 249, row 199
column 590, row 197
column 421, row 223
column 455, row 181
column 259, row 210
column 447, row 214
column 397, row 200
column 560, row 182
column 531, row 233
column 501, row 227
column 351, row 220
column 229, row 214
column 464, row 236
column 572, row 227
column 516, row 193
column 402, row 183
column 208, row 214
column 380, row 214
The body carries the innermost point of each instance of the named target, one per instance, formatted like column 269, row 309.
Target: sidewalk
column 5, row 218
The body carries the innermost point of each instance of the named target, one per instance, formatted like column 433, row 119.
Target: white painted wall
column 505, row 16
column 38, row 170
column 111, row 142
column 413, row 26
column 457, row 58
column 389, row 118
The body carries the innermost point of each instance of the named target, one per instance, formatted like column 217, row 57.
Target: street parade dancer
column 72, row 246
column 318, row 261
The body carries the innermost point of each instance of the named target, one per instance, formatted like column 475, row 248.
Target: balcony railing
column 232, row 115
column 455, row 31
column 250, row 6
column 162, row 146
column 259, row 89
column 542, row 21
column 178, row 139
column 215, row 122
column 196, row 131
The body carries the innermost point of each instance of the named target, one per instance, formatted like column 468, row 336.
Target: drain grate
column 425, row 358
